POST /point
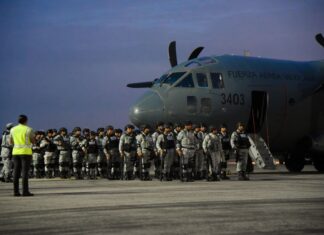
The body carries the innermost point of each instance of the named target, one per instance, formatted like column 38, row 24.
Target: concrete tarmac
column 273, row 202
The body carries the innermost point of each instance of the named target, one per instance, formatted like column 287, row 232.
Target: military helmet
column 85, row 130
column 93, row 133
column 100, row 129
column 49, row 131
column 188, row 123
column 212, row 128
column 109, row 128
column 130, row 126
column 75, row 129
column 159, row 124
column 223, row 125
column 120, row 131
column 9, row 126
column 143, row 127
column 63, row 129
column 203, row 125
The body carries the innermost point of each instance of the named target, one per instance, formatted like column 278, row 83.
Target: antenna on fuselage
column 320, row 39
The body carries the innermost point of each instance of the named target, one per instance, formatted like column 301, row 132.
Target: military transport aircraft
column 282, row 101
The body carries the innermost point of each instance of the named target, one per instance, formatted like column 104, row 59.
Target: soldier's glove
column 179, row 152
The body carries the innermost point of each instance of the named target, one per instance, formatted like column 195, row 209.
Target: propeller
column 320, row 39
column 195, row 53
column 140, row 85
column 173, row 54
column 173, row 62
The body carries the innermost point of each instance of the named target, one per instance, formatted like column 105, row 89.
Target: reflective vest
column 20, row 135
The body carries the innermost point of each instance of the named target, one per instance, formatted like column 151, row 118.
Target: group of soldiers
column 187, row 152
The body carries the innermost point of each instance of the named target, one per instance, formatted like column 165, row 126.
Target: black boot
column 245, row 177
column 223, row 175
column 240, row 175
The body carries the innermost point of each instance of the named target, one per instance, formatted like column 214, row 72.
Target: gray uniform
column 50, row 148
column 77, row 155
column 200, row 157
column 64, row 149
column 111, row 145
column 127, row 149
column 145, row 148
column 187, row 143
column 212, row 146
column 241, row 144
column 157, row 161
column 165, row 145
column 92, row 155
column 101, row 158
column 6, row 149
column 38, row 159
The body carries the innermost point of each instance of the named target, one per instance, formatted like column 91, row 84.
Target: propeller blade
column 195, row 53
column 140, row 85
column 173, row 54
column 320, row 39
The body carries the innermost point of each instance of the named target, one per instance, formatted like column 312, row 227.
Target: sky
column 67, row 62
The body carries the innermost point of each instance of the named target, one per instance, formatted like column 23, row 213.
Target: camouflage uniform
column 187, row 144
column 63, row 146
column 240, row 143
column 166, row 144
column 213, row 148
column 145, row 148
column 6, row 149
column 127, row 149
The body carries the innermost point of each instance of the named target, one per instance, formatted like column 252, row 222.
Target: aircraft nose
column 148, row 109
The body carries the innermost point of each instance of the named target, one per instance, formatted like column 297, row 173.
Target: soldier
column 92, row 155
column 145, row 149
column 6, row 149
column 127, row 149
column 84, row 146
column 213, row 147
column 186, row 147
column 38, row 158
column 62, row 141
column 199, row 155
column 166, row 144
column 49, row 147
column 56, row 157
column 100, row 140
column 226, row 146
column 157, row 162
column 111, row 144
column 77, row 152
column 241, row 144
column 176, row 166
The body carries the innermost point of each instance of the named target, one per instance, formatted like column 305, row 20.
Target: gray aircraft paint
column 295, row 103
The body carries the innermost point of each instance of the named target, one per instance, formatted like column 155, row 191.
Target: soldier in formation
column 173, row 152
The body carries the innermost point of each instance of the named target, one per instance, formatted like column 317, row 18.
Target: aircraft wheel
column 295, row 162
column 318, row 162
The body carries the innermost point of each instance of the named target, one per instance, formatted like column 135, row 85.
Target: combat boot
column 245, row 177
column 223, row 175
column 240, row 175
column 189, row 177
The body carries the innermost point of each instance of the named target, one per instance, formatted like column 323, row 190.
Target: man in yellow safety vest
column 22, row 138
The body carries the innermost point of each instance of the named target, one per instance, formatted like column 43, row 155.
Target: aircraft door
column 258, row 112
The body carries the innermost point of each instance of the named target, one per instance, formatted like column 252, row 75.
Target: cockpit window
column 186, row 82
column 161, row 79
column 173, row 77
column 202, row 80
column 217, row 80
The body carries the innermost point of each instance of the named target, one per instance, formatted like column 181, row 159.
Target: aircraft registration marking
column 233, row 99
